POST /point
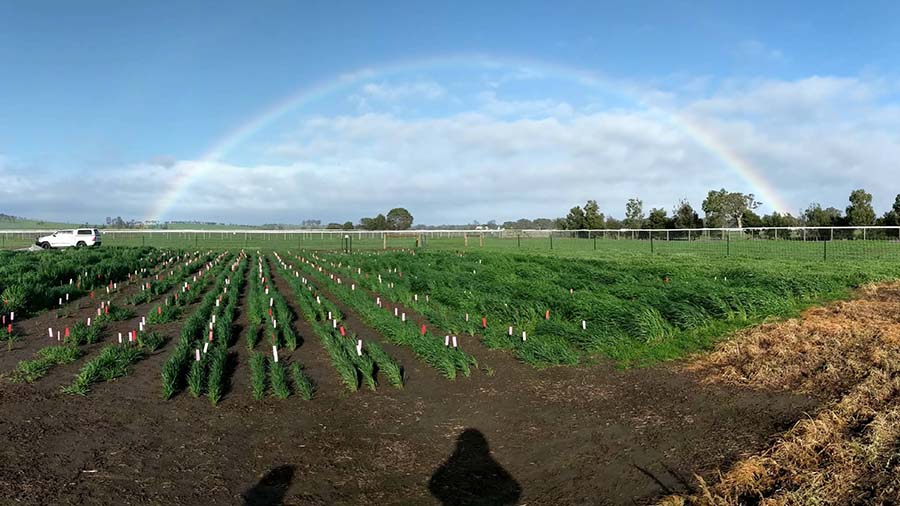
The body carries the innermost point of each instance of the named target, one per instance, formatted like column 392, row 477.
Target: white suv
column 65, row 238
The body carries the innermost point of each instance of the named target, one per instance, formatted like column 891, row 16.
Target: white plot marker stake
column 120, row 338
column 583, row 325
column 446, row 340
column 359, row 347
column 454, row 341
column 205, row 346
column 275, row 352
column 510, row 331
column 524, row 337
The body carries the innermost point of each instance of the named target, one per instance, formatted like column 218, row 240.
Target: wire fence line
column 801, row 243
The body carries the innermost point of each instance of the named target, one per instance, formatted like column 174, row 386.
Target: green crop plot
column 633, row 309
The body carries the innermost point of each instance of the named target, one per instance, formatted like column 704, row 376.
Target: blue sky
column 459, row 111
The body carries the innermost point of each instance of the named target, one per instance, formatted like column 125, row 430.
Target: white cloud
column 392, row 92
column 814, row 139
column 755, row 50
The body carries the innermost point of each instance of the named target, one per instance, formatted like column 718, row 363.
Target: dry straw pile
column 849, row 452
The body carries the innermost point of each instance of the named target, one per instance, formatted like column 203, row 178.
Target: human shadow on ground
column 271, row 488
column 471, row 477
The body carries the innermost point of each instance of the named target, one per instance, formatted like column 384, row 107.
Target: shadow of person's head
column 271, row 489
column 471, row 476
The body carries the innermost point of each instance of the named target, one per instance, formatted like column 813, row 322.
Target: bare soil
column 510, row 434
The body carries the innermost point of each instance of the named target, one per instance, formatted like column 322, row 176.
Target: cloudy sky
column 459, row 111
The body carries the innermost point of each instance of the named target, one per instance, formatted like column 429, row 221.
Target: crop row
column 32, row 282
column 356, row 363
column 627, row 308
column 433, row 350
column 177, row 369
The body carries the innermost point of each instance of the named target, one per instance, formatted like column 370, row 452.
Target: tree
column 377, row 223
column 892, row 217
column 543, row 223
column 657, row 219
column 685, row 216
column 575, row 220
column 593, row 218
column 348, row 225
column 333, row 226
column 860, row 212
column 777, row 219
column 614, row 224
column 724, row 208
column 751, row 219
column 815, row 216
column 634, row 213
column 399, row 218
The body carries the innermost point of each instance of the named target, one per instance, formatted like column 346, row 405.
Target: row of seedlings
column 71, row 341
column 267, row 308
column 440, row 352
column 548, row 329
column 174, row 271
column 175, row 370
column 214, row 360
column 357, row 363
column 115, row 360
column 32, row 283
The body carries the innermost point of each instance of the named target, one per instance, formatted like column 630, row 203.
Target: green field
column 736, row 246
column 574, row 302
column 636, row 309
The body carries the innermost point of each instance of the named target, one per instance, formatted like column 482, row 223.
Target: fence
column 801, row 243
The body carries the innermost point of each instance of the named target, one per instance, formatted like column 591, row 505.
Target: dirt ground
column 515, row 435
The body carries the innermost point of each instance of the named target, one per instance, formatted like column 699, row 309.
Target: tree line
column 720, row 208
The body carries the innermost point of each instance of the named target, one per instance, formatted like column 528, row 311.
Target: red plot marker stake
column 423, row 329
column 9, row 329
column 92, row 295
column 343, row 333
column 547, row 315
column 484, row 323
column 67, row 331
column 159, row 310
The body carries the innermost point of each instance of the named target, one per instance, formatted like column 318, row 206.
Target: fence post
column 651, row 243
column 825, row 251
column 551, row 240
column 519, row 240
column 728, row 244
column 595, row 243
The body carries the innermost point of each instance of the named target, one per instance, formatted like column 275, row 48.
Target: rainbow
column 763, row 188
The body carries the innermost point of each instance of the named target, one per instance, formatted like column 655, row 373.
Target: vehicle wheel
column 80, row 244
column 45, row 245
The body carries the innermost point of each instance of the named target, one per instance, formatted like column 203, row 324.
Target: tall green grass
column 637, row 309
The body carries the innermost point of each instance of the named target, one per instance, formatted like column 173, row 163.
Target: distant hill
column 8, row 222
